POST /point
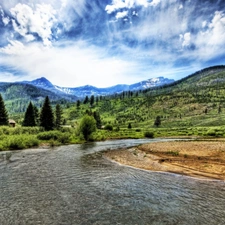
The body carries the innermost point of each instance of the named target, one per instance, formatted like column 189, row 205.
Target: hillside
column 197, row 100
column 18, row 95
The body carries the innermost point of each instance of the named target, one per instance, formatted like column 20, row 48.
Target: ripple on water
column 67, row 185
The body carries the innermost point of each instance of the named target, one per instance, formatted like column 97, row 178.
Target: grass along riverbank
column 202, row 159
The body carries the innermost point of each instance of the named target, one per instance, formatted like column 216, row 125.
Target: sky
column 107, row 42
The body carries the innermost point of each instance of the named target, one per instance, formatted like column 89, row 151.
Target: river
column 75, row 185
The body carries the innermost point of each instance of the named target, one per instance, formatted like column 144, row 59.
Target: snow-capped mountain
column 89, row 90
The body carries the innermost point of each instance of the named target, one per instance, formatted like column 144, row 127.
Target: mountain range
column 18, row 94
column 88, row 90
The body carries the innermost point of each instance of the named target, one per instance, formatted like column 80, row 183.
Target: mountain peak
column 42, row 82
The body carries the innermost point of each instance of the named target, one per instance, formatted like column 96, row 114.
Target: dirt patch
column 203, row 159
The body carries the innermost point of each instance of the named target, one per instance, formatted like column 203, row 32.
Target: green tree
column 47, row 116
column 92, row 100
column 3, row 113
column 29, row 117
column 87, row 126
column 58, row 116
column 86, row 100
column 157, row 122
column 129, row 126
column 98, row 119
column 78, row 104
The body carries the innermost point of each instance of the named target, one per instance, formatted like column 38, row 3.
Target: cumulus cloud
column 186, row 39
column 121, row 4
column 5, row 19
column 29, row 22
column 157, row 34
column 120, row 15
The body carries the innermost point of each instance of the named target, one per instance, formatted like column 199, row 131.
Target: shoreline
column 197, row 159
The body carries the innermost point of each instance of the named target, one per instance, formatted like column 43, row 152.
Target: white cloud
column 186, row 39
column 120, row 4
column 211, row 40
column 181, row 6
column 7, row 77
column 39, row 21
column 154, row 2
column 120, row 15
column 13, row 48
column 5, row 19
column 75, row 65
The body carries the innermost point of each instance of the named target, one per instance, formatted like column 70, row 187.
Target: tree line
column 46, row 118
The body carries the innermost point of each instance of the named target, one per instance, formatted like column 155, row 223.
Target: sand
column 202, row 159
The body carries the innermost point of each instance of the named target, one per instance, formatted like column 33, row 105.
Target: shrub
column 54, row 136
column 18, row 142
column 108, row 127
column 149, row 134
column 48, row 135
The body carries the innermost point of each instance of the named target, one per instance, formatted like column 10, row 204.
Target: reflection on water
column 70, row 185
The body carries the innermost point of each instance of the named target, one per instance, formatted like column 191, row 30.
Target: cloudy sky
column 106, row 42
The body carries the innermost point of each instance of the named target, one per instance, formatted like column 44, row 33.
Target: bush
column 108, row 127
column 48, row 135
column 149, row 134
column 18, row 142
column 54, row 136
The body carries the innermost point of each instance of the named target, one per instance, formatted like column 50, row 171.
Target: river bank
column 202, row 159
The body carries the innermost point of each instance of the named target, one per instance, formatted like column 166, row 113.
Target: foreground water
column 71, row 185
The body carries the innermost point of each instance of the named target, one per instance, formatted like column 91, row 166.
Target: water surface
column 71, row 185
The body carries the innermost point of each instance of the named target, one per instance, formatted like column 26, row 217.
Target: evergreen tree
column 3, row 113
column 47, row 116
column 29, row 118
column 97, row 119
column 86, row 100
column 157, row 122
column 78, row 104
column 129, row 126
column 58, row 116
column 92, row 100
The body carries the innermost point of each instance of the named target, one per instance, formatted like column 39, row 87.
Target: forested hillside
column 18, row 95
column 197, row 100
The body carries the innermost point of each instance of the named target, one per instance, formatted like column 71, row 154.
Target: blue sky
column 106, row 42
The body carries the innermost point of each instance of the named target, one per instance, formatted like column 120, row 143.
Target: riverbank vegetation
column 193, row 106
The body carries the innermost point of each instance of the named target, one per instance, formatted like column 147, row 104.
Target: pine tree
column 92, row 100
column 29, row 118
column 98, row 119
column 58, row 116
column 86, row 100
column 157, row 122
column 3, row 113
column 78, row 104
column 47, row 116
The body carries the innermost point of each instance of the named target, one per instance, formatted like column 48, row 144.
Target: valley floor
column 202, row 159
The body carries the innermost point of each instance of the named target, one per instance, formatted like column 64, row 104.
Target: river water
column 75, row 185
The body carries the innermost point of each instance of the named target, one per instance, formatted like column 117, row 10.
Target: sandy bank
column 203, row 159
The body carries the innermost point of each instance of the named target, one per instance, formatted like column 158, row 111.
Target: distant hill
column 18, row 95
column 89, row 90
